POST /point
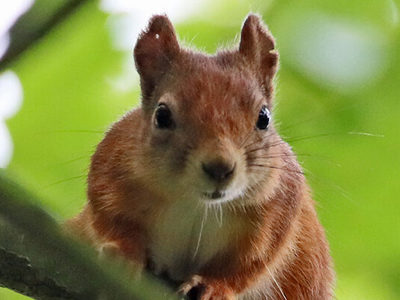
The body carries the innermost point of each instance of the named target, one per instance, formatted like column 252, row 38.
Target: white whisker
column 276, row 282
column 201, row 230
column 366, row 134
column 219, row 218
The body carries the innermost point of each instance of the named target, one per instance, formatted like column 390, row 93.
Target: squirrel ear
column 257, row 46
column 154, row 51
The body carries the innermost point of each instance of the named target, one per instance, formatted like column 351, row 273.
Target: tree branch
column 17, row 274
column 36, row 23
column 38, row 260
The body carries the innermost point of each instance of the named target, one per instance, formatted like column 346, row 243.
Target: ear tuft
column 257, row 46
column 160, row 27
column 154, row 52
column 254, row 32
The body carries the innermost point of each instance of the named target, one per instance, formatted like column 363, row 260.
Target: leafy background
column 339, row 77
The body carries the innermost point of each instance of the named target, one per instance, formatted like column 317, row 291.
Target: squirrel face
column 208, row 123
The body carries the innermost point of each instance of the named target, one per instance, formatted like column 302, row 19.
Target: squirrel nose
column 218, row 171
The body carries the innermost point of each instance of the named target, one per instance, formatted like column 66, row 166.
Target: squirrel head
column 208, row 122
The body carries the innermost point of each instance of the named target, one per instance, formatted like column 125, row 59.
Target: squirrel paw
column 200, row 288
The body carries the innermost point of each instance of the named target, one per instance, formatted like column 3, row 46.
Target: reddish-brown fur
column 275, row 248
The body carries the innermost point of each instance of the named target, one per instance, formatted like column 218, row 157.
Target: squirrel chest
column 185, row 238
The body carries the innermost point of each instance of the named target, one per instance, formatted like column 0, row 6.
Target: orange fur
column 262, row 239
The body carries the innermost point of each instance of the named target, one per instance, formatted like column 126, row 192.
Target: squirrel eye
column 263, row 118
column 163, row 118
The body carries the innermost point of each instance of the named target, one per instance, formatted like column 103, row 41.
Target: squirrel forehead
column 209, row 86
column 211, row 99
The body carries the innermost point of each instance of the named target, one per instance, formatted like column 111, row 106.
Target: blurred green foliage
column 69, row 103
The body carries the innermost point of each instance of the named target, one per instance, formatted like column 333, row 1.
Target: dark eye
column 263, row 118
column 163, row 117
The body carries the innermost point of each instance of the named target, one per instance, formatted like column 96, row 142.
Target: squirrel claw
column 198, row 288
column 185, row 288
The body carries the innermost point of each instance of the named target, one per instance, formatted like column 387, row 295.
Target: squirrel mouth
column 214, row 195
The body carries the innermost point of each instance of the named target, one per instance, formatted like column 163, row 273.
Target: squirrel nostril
column 218, row 171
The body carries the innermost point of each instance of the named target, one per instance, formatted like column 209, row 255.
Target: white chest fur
column 187, row 236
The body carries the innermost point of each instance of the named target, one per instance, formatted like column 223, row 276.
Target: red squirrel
column 197, row 183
